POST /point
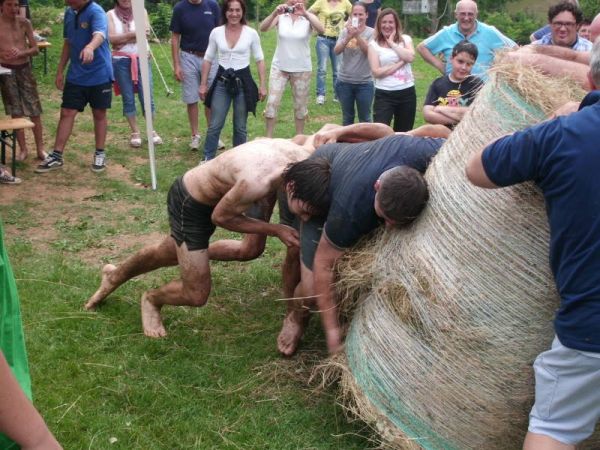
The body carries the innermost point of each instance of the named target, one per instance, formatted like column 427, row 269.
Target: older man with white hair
column 487, row 39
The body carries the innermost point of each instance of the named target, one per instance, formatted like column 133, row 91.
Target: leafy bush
column 46, row 16
column 590, row 8
column 160, row 19
column 518, row 26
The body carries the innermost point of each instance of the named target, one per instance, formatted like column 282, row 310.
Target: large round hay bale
column 460, row 304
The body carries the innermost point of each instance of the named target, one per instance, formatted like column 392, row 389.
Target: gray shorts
column 567, row 394
column 191, row 68
column 310, row 235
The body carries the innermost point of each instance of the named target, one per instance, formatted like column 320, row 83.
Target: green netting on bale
column 462, row 301
column 12, row 342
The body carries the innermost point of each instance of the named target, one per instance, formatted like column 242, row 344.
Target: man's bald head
column 469, row 5
column 466, row 16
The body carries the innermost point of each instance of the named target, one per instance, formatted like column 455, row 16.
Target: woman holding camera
column 231, row 46
column 355, row 82
column 291, row 61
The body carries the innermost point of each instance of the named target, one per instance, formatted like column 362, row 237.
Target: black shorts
column 189, row 220
column 76, row 97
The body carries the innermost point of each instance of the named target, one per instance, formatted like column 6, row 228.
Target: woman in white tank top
column 125, row 60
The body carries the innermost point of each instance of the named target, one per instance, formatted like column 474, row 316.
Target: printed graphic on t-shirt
column 453, row 98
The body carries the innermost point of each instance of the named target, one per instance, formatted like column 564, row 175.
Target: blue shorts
column 567, row 394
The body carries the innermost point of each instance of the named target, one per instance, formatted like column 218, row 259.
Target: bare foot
column 22, row 156
column 151, row 320
column 291, row 332
column 42, row 156
column 106, row 287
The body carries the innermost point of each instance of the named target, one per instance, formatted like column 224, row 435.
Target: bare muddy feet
column 291, row 332
column 106, row 287
column 151, row 320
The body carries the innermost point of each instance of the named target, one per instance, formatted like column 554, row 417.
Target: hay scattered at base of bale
column 454, row 309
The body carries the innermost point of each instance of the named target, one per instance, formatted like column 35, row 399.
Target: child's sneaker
column 320, row 99
column 99, row 163
column 221, row 145
column 195, row 144
column 7, row 178
column 52, row 162
column 136, row 140
column 156, row 139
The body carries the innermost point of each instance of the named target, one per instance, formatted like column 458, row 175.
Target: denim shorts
column 567, row 394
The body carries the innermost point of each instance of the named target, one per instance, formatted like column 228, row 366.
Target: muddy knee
column 195, row 297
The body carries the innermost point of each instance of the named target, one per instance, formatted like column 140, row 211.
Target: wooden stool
column 43, row 47
column 8, row 136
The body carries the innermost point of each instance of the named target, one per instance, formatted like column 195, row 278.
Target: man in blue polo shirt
column 487, row 39
column 342, row 193
column 561, row 156
column 89, row 79
column 191, row 24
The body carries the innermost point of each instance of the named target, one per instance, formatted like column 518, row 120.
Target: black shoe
column 50, row 163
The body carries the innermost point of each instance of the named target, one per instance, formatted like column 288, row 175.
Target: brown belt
column 194, row 52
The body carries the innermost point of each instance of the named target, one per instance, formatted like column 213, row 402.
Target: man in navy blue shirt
column 561, row 156
column 89, row 79
column 191, row 24
column 342, row 193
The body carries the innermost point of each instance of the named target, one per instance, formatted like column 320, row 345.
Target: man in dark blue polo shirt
column 561, row 156
column 342, row 193
column 89, row 79
column 191, row 24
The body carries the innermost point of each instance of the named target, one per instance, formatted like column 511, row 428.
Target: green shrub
column 160, row 19
column 518, row 26
column 590, row 8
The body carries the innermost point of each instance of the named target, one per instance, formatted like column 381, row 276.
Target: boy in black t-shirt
column 450, row 95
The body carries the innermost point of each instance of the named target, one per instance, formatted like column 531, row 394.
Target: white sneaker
column 195, row 143
column 221, row 145
column 156, row 139
column 136, row 140
column 320, row 99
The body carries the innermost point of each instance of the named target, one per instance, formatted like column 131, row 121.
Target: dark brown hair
column 402, row 194
column 225, row 7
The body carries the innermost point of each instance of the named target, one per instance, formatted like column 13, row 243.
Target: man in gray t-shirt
column 355, row 82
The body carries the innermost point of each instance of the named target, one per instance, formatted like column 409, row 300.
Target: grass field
column 217, row 381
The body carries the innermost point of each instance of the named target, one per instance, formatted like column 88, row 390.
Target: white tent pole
column 139, row 16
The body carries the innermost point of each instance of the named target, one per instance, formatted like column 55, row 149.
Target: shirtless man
column 219, row 192
column 19, row 88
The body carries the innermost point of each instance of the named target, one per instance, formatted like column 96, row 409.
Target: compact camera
column 289, row 9
column 354, row 22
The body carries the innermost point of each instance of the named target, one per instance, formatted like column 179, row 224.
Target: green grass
column 217, row 381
